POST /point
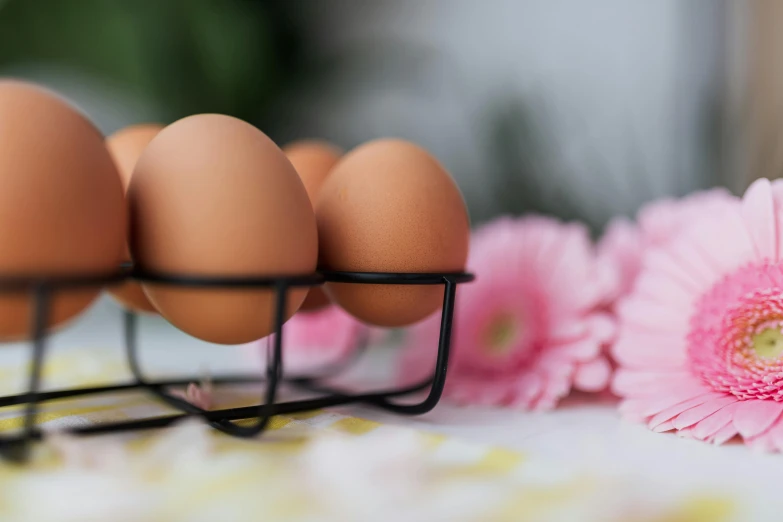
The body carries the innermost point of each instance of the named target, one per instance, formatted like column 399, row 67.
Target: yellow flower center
column 501, row 334
column 768, row 344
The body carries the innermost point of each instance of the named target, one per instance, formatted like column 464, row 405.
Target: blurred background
column 578, row 109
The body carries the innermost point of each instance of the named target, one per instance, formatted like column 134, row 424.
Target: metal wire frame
column 16, row 447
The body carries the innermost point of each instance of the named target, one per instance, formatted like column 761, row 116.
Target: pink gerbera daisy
column 624, row 242
column 529, row 329
column 700, row 341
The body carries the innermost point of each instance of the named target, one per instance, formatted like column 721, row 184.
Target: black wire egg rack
column 16, row 447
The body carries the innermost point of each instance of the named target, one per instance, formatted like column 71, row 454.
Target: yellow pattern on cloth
column 307, row 467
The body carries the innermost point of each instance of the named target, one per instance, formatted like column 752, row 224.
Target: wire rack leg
column 17, row 449
column 273, row 378
column 40, row 319
column 441, row 365
column 132, row 354
column 274, row 374
column 435, row 383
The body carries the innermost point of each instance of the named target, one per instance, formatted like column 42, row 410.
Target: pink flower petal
column 754, row 417
column 647, row 313
column 663, row 426
column 651, row 405
column 548, row 402
column 702, row 265
column 564, row 270
column 761, row 443
column 479, row 393
column 640, row 410
column 668, row 414
column 759, row 216
column 581, row 350
column 777, row 198
column 620, row 251
column 568, row 331
column 685, row 433
column 544, row 243
column 555, row 365
column 775, row 434
column 715, row 422
column 528, row 390
column 725, row 250
column 593, row 376
column 702, row 435
column 658, row 260
column 677, row 390
column 556, row 386
column 770, row 440
column 699, row 413
column 634, row 383
column 630, row 250
column 662, row 289
column 649, row 350
column 602, row 327
column 724, row 435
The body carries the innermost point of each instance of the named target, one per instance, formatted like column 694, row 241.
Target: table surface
column 583, row 436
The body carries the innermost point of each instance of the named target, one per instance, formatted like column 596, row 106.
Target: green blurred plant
column 185, row 56
column 530, row 176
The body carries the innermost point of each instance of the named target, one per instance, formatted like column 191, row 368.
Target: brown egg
column 126, row 146
column 313, row 160
column 61, row 206
column 213, row 195
column 389, row 206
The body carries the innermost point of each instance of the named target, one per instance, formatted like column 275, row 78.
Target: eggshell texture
column 126, row 146
column 62, row 210
column 213, row 195
column 313, row 160
column 389, row 206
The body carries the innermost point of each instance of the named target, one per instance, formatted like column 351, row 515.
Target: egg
column 389, row 206
column 125, row 146
column 313, row 160
column 211, row 195
column 62, row 211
